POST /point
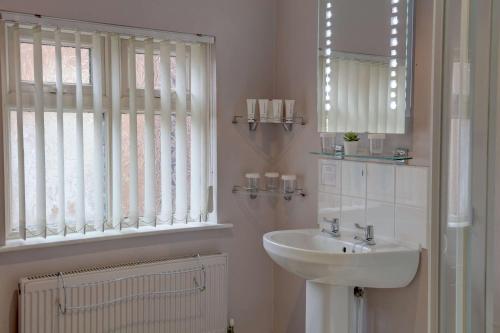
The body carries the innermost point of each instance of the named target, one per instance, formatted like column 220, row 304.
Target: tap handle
column 335, row 220
column 358, row 226
column 335, row 223
column 369, row 232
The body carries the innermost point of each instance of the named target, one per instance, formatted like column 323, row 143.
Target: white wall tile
column 329, row 176
column 381, row 216
column 392, row 198
column 328, row 206
column 354, row 179
column 353, row 210
column 412, row 186
column 411, row 224
column 380, row 182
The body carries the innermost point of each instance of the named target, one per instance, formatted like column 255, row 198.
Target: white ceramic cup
column 289, row 110
column 277, row 111
column 263, row 110
column 251, row 105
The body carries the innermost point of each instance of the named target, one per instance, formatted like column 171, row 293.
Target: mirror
column 365, row 65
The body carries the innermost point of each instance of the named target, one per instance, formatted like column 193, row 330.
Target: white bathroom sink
column 318, row 257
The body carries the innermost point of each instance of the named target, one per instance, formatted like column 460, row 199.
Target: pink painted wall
column 264, row 49
column 244, row 31
column 401, row 310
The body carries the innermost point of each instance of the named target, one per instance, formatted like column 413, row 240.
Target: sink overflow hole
column 344, row 249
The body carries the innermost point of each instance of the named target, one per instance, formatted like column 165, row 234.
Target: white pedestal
column 330, row 309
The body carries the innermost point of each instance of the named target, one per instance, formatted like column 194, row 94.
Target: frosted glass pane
column 49, row 63
column 139, row 65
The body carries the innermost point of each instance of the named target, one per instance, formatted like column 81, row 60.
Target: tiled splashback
column 393, row 198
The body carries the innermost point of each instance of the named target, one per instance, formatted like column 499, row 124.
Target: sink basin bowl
column 342, row 261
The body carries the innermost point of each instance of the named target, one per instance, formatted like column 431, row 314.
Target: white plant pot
column 351, row 147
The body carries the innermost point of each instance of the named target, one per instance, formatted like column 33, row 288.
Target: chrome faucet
column 369, row 234
column 334, row 227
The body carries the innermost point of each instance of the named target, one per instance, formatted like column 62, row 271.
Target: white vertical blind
column 149, row 149
column 363, row 91
column 165, row 130
column 205, row 165
column 80, row 190
column 197, row 102
column 61, row 202
column 20, row 135
column 359, row 98
column 180, row 135
column 108, row 118
column 383, row 83
column 99, row 155
column 97, row 92
column 341, row 107
column 373, row 100
column 133, row 171
column 116, row 127
column 39, row 131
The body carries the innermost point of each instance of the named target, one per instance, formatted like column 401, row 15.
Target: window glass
column 139, row 70
column 68, row 56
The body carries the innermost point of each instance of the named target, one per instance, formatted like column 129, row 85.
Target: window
column 105, row 130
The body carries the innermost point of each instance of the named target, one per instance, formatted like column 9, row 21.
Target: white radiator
column 186, row 295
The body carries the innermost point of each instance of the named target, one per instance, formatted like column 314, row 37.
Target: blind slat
column 116, row 131
column 80, row 187
column 382, row 99
column 20, row 133
column 60, row 133
column 363, row 95
column 180, row 136
column 352, row 97
column 97, row 80
column 373, row 103
column 39, row 131
column 165, row 131
column 205, row 129
column 149, row 168
column 342, row 122
column 401, row 100
column 133, row 183
column 197, row 96
column 333, row 117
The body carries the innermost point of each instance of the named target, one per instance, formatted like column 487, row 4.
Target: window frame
column 7, row 95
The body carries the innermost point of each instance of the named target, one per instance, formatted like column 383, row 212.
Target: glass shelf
column 361, row 157
column 263, row 192
column 287, row 125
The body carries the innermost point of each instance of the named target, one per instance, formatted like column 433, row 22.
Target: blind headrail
column 75, row 25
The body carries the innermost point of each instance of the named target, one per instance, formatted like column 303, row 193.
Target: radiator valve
column 230, row 328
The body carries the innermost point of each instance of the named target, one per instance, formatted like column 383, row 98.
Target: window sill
column 38, row 242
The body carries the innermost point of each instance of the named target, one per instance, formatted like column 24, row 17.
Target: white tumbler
column 263, row 110
column 289, row 110
column 251, row 106
column 277, row 111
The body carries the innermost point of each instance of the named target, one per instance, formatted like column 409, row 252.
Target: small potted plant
column 351, row 141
